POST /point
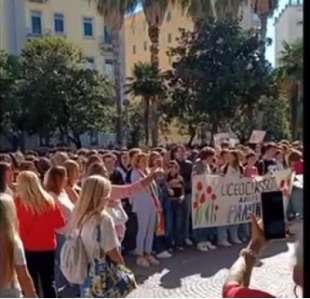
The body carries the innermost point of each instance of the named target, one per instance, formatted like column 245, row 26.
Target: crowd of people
column 139, row 200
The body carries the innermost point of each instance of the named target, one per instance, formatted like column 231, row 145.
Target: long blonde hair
column 96, row 192
column 8, row 238
column 31, row 193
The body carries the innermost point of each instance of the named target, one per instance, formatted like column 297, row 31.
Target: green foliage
column 218, row 74
column 55, row 94
column 147, row 82
column 292, row 61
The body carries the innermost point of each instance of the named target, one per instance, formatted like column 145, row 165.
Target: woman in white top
column 55, row 183
column 232, row 169
column 90, row 215
column 14, row 275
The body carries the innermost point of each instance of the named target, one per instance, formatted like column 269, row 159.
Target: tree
column 147, row 83
column 114, row 13
column 291, row 71
column 264, row 9
column 57, row 93
column 12, row 121
column 219, row 72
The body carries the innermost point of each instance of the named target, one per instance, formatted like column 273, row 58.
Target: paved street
column 195, row 274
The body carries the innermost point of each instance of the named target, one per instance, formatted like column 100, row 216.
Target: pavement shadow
column 192, row 262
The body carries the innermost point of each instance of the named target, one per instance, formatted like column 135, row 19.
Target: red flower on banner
column 213, row 197
column 203, row 198
column 209, row 190
column 199, row 186
column 195, row 205
column 216, row 207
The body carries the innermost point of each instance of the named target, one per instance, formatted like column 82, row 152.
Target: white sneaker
column 188, row 242
column 202, row 247
column 236, row 241
column 210, row 245
column 142, row 262
column 224, row 244
column 164, row 255
column 152, row 260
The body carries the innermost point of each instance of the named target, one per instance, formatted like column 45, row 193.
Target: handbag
column 106, row 279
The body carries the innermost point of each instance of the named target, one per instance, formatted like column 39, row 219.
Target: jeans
column 244, row 231
column 203, row 234
column 64, row 288
column 223, row 231
column 41, row 268
column 187, row 209
column 174, row 223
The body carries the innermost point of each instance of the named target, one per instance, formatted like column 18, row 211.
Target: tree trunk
column 154, row 32
column 117, row 84
column 147, row 120
column 264, row 21
column 192, row 132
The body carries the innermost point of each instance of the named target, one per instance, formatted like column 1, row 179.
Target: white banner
column 223, row 200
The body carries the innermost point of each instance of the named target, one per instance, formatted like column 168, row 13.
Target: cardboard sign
column 224, row 200
column 257, row 137
column 220, row 138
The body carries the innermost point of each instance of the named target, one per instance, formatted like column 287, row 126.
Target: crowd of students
column 143, row 200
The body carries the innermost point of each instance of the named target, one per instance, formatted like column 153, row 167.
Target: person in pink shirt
column 250, row 168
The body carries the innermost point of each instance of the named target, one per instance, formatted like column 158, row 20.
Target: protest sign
column 224, row 200
column 220, row 138
column 257, row 137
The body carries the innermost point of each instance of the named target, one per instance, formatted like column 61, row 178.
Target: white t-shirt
column 89, row 235
column 19, row 260
column 66, row 206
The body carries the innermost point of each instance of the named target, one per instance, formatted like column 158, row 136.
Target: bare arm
column 116, row 257
column 26, row 282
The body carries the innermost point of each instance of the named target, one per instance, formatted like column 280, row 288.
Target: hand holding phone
column 273, row 215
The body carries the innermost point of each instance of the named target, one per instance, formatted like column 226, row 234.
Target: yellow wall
column 73, row 11
column 136, row 34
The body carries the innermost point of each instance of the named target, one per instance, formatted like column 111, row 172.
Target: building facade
column 76, row 20
column 137, row 42
column 288, row 27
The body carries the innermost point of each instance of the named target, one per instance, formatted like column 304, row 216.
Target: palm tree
column 147, row 83
column 114, row 12
column 154, row 11
column 264, row 9
column 291, row 70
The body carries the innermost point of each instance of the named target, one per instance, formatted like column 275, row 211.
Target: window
column 93, row 138
column 88, row 27
column 90, row 63
column 145, row 46
column 107, row 35
column 169, row 16
column 109, row 69
column 36, row 23
column 134, row 50
column 59, row 24
column 169, row 38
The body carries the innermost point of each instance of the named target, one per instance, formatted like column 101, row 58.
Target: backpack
column 73, row 259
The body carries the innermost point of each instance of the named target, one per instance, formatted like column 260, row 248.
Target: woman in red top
column 39, row 218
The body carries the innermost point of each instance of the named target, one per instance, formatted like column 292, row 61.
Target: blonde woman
column 90, row 219
column 39, row 218
column 14, row 275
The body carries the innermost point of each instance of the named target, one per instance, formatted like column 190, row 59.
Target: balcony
column 105, row 43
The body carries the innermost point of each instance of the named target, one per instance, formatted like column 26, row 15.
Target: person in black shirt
column 268, row 163
column 185, row 165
